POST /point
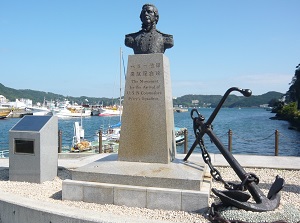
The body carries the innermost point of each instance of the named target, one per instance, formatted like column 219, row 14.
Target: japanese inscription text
column 144, row 82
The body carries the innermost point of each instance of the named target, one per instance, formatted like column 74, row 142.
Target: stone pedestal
column 147, row 133
column 179, row 185
column 145, row 173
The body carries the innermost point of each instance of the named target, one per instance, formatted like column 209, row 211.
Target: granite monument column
column 147, row 133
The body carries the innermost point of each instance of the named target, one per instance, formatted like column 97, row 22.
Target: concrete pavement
column 28, row 210
column 75, row 160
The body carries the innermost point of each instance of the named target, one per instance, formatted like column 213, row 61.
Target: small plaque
column 24, row 146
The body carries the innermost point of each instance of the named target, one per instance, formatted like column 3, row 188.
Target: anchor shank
column 256, row 193
column 238, row 169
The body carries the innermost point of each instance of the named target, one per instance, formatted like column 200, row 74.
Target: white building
column 22, row 103
column 3, row 99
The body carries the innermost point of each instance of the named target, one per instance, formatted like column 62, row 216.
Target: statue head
column 148, row 39
column 149, row 16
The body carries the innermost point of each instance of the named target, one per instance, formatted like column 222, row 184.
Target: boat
column 180, row 109
column 5, row 112
column 110, row 138
column 73, row 112
column 112, row 133
column 95, row 112
column 40, row 111
column 110, row 111
column 179, row 135
column 65, row 110
column 79, row 144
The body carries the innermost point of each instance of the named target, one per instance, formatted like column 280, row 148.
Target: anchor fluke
column 276, row 187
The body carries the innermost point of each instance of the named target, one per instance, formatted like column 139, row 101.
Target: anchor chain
column 215, row 173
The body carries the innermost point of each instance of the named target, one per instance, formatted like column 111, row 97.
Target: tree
column 294, row 90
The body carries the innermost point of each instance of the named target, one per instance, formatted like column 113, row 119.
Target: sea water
column 253, row 132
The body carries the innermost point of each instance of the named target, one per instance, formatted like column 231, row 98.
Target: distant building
column 3, row 99
column 22, row 103
column 195, row 102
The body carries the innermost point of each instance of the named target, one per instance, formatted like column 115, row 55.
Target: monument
column 146, row 172
column 147, row 121
column 33, row 153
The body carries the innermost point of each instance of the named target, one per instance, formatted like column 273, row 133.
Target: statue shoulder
column 165, row 35
column 168, row 40
column 130, row 39
column 133, row 35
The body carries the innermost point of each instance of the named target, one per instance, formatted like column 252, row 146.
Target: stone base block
column 137, row 196
column 176, row 175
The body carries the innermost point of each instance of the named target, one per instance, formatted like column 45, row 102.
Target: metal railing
column 230, row 135
column 276, row 134
column 4, row 153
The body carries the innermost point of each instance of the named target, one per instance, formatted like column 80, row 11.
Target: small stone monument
column 147, row 121
column 33, row 152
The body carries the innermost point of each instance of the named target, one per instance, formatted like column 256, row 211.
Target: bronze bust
column 149, row 39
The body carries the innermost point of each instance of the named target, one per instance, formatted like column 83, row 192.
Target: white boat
column 39, row 111
column 65, row 110
column 180, row 109
column 112, row 134
column 110, row 111
column 79, row 144
column 179, row 135
column 73, row 112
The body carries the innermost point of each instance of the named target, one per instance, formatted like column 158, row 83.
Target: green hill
column 186, row 100
column 39, row 96
column 232, row 100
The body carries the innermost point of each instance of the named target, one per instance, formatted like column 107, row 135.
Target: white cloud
column 259, row 84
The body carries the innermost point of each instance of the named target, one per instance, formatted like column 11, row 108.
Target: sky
column 72, row 47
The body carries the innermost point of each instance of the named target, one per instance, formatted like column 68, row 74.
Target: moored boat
column 66, row 110
column 73, row 112
column 79, row 144
column 4, row 112
column 110, row 111
column 180, row 109
column 179, row 135
column 111, row 134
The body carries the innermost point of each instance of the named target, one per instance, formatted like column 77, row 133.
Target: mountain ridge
column 185, row 100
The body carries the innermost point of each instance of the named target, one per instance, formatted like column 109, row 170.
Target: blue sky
column 71, row 47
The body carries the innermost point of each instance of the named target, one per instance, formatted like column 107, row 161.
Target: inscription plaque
column 24, row 146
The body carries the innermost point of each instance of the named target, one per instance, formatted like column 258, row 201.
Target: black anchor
column 235, row 194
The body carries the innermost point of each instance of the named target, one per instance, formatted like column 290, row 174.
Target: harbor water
column 253, row 132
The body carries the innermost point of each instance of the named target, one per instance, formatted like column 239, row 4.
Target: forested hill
column 186, row 100
column 39, row 96
column 232, row 100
